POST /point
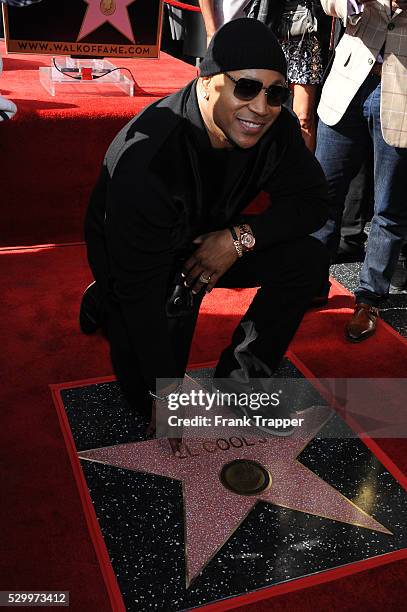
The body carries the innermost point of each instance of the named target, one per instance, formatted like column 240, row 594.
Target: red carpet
column 47, row 544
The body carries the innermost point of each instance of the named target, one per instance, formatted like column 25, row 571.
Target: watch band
column 236, row 241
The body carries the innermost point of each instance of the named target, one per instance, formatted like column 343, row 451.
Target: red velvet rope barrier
column 181, row 5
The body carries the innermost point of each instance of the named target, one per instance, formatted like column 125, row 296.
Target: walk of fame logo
column 100, row 12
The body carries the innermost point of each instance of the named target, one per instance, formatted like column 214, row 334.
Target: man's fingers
column 194, row 260
column 175, row 444
column 200, row 284
column 212, row 283
column 194, row 278
column 191, row 270
column 206, row 286
column 215, row 253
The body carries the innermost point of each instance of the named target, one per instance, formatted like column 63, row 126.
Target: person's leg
column 340, row 151
column 181, row 330
column 304, row 106
column 389, row 223
column 288, row 274
column 125, row 362
column 358, row 210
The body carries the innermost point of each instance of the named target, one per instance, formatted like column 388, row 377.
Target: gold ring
column 205, row 280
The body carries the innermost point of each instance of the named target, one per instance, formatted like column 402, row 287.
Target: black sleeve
column 138, row 234
column 298, row 195
column 95, row 232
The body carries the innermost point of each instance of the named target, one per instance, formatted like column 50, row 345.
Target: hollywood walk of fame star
column 111, row 11
column 212, row 511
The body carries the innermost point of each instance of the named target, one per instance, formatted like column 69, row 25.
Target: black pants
column 288, row 275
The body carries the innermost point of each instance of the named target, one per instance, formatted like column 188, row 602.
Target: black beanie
column 243, row 43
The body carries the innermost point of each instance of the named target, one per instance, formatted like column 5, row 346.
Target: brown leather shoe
column 362, row 323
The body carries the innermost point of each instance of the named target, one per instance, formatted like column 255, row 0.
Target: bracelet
column 165, row 398
column 236, row 241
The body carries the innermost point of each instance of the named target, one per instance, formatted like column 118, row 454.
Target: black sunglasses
column 248, row 89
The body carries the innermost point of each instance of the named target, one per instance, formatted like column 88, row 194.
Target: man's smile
column 251, row 126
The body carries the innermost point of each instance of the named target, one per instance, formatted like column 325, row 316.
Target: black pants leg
column 358, row 206
column 289, row 276
column 181, row 332
column 125, row 360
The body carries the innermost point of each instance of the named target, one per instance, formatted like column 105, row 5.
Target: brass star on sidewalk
column 224, row 478
column 111, row 11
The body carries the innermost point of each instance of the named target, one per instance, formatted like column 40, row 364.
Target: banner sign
column 94, row 28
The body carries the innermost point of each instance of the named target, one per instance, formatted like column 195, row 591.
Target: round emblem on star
column 245, row 477
column 107, row 7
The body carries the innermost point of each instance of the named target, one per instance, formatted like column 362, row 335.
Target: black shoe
column 321, row 299
column 91, row 312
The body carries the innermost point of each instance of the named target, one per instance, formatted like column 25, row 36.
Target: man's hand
column 175, row 443
column 214, row 256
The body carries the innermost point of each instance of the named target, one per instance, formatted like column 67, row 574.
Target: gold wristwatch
column 246, row 238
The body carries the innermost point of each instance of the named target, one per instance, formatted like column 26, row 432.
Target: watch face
column 247, row 240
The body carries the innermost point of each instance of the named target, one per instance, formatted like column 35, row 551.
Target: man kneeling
column 165, row 224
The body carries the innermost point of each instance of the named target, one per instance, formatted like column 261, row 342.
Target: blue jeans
column 341, row 150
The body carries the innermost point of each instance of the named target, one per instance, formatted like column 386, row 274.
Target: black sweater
column 162, row 184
